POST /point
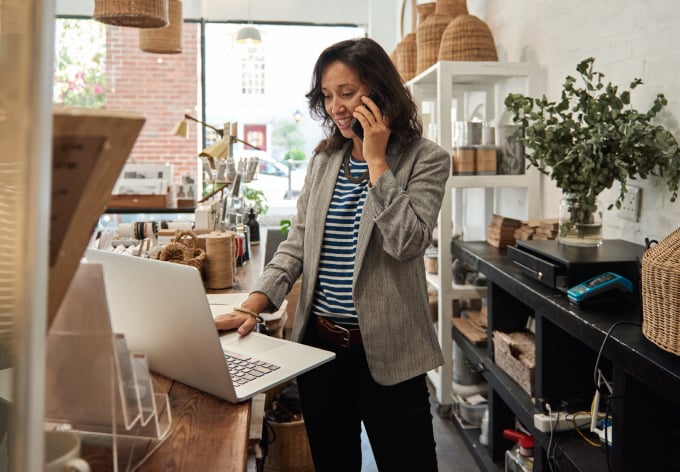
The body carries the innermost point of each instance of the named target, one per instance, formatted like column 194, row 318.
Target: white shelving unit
column 445, row 92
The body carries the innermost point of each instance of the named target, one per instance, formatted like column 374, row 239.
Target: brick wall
column 162, row 87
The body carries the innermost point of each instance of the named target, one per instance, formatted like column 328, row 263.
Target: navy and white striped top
column 333, row 291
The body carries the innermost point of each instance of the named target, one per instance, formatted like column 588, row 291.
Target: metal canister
column 467, row 133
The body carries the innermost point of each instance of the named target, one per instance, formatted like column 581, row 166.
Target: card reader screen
column 600, row 280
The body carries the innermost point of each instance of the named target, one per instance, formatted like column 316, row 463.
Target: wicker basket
column 406, row 57
column 289, row 448
column 661, row 293
column 407, row 49
column 430, row 31
column 467, row 38
column 136, row 13
column 167, row 40
column 428, row 38
column 183, row 250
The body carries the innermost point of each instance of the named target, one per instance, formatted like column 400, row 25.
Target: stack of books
column 547, row 229
column 501, row 231
column 527, row 230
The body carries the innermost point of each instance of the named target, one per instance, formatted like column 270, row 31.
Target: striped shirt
column 333, row 291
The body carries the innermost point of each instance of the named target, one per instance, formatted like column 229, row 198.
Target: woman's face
column 342, row 91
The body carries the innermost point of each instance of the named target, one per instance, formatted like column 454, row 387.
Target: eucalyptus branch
column 593, row 137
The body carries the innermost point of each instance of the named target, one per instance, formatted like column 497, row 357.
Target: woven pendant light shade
column 467, row 38
column 430, row 31
column 166, row 40
column 135, row 13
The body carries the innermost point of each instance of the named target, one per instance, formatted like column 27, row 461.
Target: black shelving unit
column 645, row 406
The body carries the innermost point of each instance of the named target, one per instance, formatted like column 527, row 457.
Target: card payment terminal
column 598, row 285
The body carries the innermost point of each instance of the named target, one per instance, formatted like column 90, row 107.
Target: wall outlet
column 630, row 206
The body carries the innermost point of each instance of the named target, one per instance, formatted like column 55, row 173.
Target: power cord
column 599, row 354
column 608, row 397
column 553, row 463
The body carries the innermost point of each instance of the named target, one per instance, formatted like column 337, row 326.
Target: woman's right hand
column 242, row 322
column 245, row 319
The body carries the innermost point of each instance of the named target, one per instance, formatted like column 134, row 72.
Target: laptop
column 163, row 310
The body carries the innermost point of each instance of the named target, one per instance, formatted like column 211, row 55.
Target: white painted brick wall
column 628, row 39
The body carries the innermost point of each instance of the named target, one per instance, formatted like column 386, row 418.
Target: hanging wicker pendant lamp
column 135, row 13
column 167, row 40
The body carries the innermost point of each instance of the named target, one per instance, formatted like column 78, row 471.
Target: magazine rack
column 97, row 387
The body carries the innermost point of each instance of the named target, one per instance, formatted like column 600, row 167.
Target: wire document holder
column 96, row 386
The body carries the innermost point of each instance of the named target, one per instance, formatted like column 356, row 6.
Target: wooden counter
column 206, row 433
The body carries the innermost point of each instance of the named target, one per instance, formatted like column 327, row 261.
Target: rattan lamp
column 136, row 13
column 167, row 40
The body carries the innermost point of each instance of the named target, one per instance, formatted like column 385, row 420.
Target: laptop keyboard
column 243, row 369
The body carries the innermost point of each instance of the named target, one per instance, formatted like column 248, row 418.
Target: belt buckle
column 346, row 335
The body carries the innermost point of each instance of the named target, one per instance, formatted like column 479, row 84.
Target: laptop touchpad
column 251, row 343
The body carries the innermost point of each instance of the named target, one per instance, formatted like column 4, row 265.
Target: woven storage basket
column 661, row 293
column 467, row 38
column 407, row 49
column 167, row 40
column 183, row 249
column 430, row 31
column 136, row 13
column 406, row 57
column 453, row 8
column 289, row 448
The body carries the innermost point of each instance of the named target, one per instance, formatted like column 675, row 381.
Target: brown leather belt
column 336, row 334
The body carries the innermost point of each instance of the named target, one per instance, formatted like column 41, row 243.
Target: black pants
column 339, row 395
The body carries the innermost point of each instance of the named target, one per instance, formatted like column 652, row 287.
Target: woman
column 365, row 216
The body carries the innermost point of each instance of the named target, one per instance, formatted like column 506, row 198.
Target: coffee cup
column 62, row 452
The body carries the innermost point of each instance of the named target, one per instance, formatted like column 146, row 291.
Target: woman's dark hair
column 375, row 69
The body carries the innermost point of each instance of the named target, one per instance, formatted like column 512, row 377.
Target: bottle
column 254, row 226
column 521, row 457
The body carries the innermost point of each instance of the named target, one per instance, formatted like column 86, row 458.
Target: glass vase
column 580, row 221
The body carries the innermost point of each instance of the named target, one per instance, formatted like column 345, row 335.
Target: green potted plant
column 589, row 139
column 257, row 199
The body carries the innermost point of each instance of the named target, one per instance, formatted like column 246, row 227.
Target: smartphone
column 356, row 126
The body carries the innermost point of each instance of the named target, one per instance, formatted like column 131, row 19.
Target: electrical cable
column 578, row 430
column 607, row 395
column 599, row 354
column 552, row 442
column 606, row 440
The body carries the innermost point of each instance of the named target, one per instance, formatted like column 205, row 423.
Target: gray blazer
column 389, row 285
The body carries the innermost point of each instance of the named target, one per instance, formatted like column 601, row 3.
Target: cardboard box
column 515, row 353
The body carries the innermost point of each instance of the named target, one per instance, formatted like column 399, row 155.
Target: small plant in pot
column 589, row 139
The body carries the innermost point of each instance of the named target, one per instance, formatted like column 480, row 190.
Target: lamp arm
column 219, row 131
column 234, row 138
